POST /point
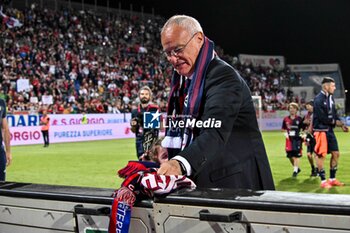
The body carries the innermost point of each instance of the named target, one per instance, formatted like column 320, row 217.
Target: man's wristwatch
column 182, row 167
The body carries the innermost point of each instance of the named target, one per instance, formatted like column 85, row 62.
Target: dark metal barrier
column 40, row 208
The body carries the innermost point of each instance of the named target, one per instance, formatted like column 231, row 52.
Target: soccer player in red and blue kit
column 292, row 125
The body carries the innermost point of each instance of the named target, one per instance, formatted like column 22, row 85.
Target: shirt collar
column 190, row 78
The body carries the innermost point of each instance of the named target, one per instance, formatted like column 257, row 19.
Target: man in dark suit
column 228, row 155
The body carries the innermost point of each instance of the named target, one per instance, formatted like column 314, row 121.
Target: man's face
column 185, row 47
column 331, row 88
column 144, row 96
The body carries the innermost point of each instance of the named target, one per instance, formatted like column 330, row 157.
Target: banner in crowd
column 25, row 129
column 67, row 119
column 63, row 133
column 269, row 124
column 277, row 62
column 23, row 85
column 47, row 99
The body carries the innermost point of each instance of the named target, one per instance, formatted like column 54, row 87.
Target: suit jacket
column 234, row 155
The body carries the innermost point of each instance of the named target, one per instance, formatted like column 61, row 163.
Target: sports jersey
column 310, row 140
column 293, row 128
column 308, row 128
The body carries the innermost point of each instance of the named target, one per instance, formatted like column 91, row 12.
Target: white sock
column 296, row 169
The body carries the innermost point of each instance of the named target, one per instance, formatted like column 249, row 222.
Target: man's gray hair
column 189, row 23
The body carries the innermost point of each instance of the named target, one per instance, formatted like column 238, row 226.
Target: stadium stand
column 74, row 61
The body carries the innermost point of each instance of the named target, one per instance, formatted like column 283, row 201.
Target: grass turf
column 94, row 164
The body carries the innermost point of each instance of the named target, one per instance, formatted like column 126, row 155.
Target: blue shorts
column 332, row 141
column 294, row 154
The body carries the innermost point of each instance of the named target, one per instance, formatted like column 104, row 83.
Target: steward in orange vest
column 45, row 125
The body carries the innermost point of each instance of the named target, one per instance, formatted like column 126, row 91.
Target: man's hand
column 133, row 124
column 171, row 167
column 133, row 121
column 303, row 135
column 342, row 125
column 345, row 128
column 306, row 122
column 8, row 158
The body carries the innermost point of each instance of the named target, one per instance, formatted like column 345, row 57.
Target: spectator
column 79, row 56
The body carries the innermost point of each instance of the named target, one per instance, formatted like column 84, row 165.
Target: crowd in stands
column 70, row 61
column 272, row 84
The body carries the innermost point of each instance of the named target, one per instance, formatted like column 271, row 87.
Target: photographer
column 144, row 137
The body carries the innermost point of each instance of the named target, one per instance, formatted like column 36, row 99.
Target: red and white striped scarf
column 141, row 181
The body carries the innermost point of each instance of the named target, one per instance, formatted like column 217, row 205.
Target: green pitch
column 94, row 164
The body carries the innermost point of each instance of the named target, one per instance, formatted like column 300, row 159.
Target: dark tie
column 187, row 85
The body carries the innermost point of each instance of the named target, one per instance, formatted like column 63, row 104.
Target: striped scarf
column 140, row 181
column 194, row 94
